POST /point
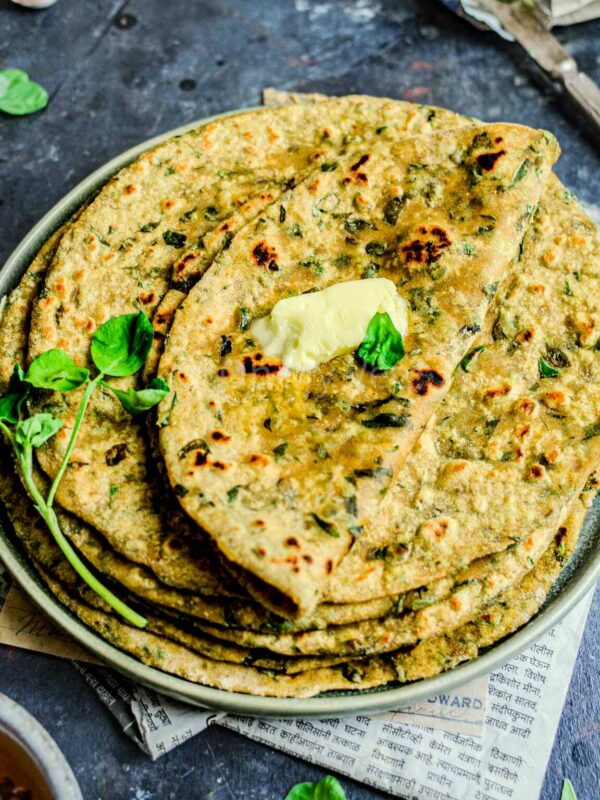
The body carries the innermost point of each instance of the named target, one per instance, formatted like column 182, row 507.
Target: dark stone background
column 120, row 72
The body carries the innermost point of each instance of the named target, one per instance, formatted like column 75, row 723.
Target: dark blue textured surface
column 119, row 72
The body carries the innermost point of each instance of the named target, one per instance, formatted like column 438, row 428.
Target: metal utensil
column 522, row 22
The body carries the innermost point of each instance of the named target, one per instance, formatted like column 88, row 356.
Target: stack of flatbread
column 290, row 533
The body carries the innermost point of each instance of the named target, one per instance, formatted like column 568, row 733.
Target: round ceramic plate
column 574, row 583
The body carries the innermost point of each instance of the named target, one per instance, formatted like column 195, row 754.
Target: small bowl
column 33, row 756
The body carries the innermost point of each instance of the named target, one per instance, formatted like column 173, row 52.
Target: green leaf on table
column 17, row 392
column 18, row 95
column 56, row 370
column 141, row 400
column 120, row 346
column 328, row 788
column 568, row 792
column 382, row 346
column 35, row 431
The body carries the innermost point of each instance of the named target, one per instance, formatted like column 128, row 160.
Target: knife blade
column 522, row 22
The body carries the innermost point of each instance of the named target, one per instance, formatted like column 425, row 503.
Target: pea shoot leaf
column 328, row 788
column 120, row 346
column 382, row 346
column 35, row 431
column 18, row 391
column 56, row 370
column 18, row 95
column 142, row 400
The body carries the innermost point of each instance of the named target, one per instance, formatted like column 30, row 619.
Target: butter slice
column 310, row 329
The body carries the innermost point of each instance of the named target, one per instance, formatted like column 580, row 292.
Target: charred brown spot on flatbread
column 426, row 379
column 427, row 247
column 116, row 454
column 487, row 161
column 265, row 256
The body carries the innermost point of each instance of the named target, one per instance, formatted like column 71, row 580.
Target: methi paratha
column 429, row 658
column 292, row 523
column 220, row 614
column 507, row 447
column 377, row 609
column 540, row 464
column 123, row 250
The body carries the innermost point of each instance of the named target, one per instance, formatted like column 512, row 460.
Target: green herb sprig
column 119, row 349
column 328, row 788
column 20, row 96
column 383, row 346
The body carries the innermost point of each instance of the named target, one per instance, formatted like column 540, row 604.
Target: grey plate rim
column 578, row 585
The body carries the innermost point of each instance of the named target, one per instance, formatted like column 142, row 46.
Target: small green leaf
column 17, row 393
column 386, row 421
column 120, row 346
column 280, row 450
column 521, row 172
column 149, row 226
column 20, row 96
column 357, row 225
column 568, row 290
column 233, row 493
column 35, row 431
column 57, row 371
column 328, row 788
column 382, row 346
column 175, row 239
column 328, row 527
column 301, row 791
column 591, row 431
column 466, row 362
column 392, row 209
column 547, row 371
column 141, row 400
column 469, row 249
column 568, row 792
column 490, row 289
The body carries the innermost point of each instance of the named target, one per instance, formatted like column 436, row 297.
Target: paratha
column 244, row 616
column 425, row 660
column 468, row 520
column 292, row 523
column 123, row 250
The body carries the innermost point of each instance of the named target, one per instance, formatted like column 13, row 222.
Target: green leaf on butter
column 383, row 345
column 20, row 96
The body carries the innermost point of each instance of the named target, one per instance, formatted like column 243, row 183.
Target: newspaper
column 487, row 740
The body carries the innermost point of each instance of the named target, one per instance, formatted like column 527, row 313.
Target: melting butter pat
column 310, row 329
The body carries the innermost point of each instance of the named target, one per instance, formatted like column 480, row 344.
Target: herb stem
column 49, row 516
column 7, row 433
column 89, row 389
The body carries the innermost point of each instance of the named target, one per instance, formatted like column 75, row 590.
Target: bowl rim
column 204, row 696
column 29, row 734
